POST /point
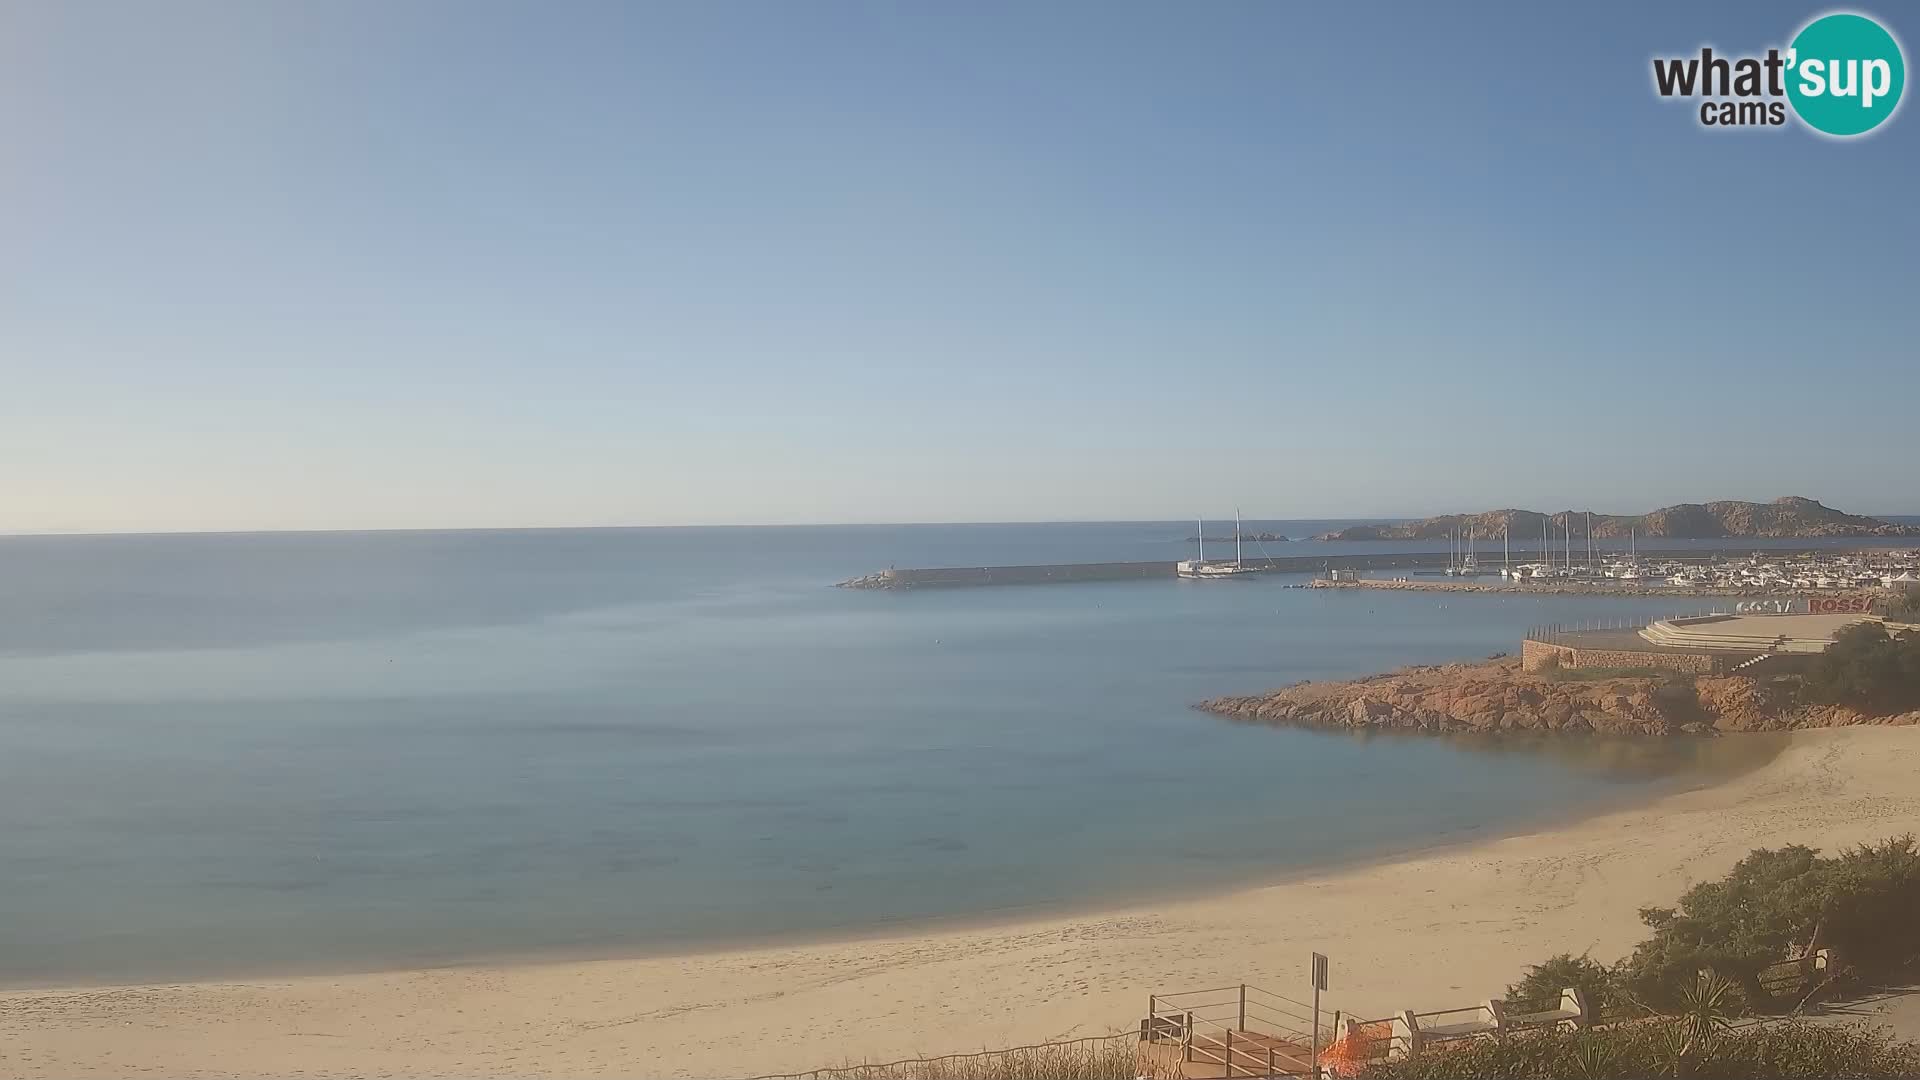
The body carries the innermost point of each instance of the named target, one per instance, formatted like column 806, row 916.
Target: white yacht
column 1199, row 568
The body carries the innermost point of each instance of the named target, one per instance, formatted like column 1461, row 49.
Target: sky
column 465, row 264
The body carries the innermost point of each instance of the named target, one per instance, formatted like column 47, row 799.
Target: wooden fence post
column 1412, row 1023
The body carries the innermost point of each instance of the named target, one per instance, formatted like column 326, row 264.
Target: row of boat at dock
column 1755, row 573
column 1889, row 569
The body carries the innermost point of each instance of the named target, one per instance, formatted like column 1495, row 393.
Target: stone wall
column 1534, row 656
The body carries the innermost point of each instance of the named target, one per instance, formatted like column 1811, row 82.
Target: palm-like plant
column 1672, row 1050
column 1595, row 1058
column 1706, row 1009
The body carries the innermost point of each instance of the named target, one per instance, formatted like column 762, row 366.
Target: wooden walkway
column 1252, row 1054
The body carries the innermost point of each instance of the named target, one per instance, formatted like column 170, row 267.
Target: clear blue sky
column 340, row 265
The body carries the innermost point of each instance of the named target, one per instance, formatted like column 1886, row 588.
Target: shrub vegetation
column 1662, row 1048
column 1774, row 906
column 1706, row 961
column 1868, row 668
column 1905, row 604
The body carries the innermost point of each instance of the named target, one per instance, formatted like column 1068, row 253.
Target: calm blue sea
column 282, row 752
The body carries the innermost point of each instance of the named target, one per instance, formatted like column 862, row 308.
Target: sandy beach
column 1442, row 928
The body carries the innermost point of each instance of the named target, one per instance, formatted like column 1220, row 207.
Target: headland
column 1790, row 517
column 1500, row 698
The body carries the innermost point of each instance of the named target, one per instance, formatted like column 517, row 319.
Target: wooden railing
column 1243, row 1030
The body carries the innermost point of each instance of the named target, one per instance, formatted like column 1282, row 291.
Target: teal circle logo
column 1845, row 74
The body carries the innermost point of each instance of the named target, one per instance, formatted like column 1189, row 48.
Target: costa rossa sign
column 1857, row 604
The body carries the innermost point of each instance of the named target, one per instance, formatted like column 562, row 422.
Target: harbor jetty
column 1054, row 573
column 959, row 576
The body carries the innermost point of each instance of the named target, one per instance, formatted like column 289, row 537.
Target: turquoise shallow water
column 264, row 753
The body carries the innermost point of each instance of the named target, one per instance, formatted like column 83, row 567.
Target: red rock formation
column 1497, row 697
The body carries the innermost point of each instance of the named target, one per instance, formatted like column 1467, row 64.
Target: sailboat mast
column 1200, row 533
column 1506, row 549
column 1568, row 523
column 1236, row 536
column 1589, row 538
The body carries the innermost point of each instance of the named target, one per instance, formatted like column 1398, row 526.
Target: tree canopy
column 1869, row 668
column 1775, row 905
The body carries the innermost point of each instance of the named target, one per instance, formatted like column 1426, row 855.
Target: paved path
column 1896, row 1007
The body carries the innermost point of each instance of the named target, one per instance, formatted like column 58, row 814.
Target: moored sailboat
column 1198, row 568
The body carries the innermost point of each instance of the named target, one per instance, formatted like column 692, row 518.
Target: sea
column 246, row 754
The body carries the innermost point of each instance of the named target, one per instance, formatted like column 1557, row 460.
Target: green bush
column 1904, row 604
column 1868, row 668
column 1803, row 1049
column 1775, row 905
column 1663, row 1048
column 1539, row 989
column 1755, row 916
column 1873, row 895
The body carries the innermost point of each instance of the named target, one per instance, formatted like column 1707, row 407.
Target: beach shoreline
column 1428, row 930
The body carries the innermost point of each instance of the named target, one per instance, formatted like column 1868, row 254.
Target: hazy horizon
column 1160, row 520
column 276, row 267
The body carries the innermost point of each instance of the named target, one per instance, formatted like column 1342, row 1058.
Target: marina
column 1726, row 570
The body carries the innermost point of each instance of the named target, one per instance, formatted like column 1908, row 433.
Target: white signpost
column 1319, row 984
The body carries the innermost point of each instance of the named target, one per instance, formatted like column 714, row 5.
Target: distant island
column 1785, row 518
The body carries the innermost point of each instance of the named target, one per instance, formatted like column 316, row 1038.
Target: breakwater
column 1057, row 573
column 959, row 576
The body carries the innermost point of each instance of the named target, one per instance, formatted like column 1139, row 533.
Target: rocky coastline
column 1495, row 697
